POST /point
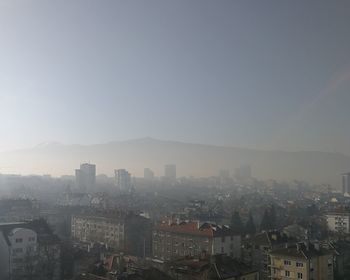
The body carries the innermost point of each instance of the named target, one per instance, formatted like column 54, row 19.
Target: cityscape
column 228, row 226
column 174, row 140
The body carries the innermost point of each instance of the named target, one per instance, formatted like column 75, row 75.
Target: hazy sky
column 261, row 74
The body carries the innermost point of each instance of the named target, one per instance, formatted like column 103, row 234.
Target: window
column 19, row 240
column 222, row 249
column 18, row 250
column 17, row 260
column 31, row 239
column 300, row 275
column 287, row 273
column 223, row 239
column 287, row 262
column 299, row 264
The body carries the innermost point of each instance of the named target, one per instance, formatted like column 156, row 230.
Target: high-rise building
column 346, row 183
column 122, row 179
column 224, row 173
column 148, row 174
column 170, row 171
column 85, row 177
column 243, row 172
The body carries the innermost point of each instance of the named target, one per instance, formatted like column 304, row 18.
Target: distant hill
column 191, row 159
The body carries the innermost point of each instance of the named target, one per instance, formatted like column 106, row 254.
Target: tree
column 100, row 270
column 268, row 221
column 236, row 223
column 250, row 226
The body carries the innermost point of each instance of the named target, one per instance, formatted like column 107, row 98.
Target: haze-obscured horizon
column 267, row 75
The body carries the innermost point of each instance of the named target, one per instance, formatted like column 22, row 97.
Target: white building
column 339, row 221
column 177, row 240
column 85, row 177
column 18, row 248
column 346, row 184
column 170, row 171
column 123, row 180
column 27, row 250
column 148, row 174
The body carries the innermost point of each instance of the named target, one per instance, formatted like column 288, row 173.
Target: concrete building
column 208, row 267
column 339, row 221
column 17, row 246
column 174, row 240
column 244, row 172
column 170, row 171
column 256, row 250
column 346, row 184
column 27, row 250
column 123, row 231
column 122, row 180
column 148, row 174
column 303, row 261
column 85, row 177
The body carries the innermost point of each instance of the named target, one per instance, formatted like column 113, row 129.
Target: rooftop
column 302, row 251
column 194, row 228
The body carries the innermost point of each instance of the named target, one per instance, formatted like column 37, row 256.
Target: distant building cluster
column 125, row 228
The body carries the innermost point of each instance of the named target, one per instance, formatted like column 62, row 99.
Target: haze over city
column 269, row 75
column 174, row 140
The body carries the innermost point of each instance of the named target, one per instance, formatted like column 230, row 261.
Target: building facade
column 148, row 174
column 339, row 221
column 174, row 240
column 170, row 172
column 122, row 231
column 346, row 183
column 122, row 180
column 302, row 261
column 85, row 177
column 29, row 251
column 256, row 250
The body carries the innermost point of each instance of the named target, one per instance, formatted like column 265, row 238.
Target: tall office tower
column 243, row 172
column 85, row 177
column 224, row 173
column 346, row 183
column 170, row 171
column 122, row 180
column 148, row 174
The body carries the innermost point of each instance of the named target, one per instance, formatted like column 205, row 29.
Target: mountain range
column 191, row 160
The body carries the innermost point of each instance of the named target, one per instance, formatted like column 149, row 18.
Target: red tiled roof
column 186, row 228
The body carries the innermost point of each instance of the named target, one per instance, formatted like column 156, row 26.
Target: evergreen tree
column 269, row 219
column 273, row 217
column 236, row 223
column 265, row 223
column 250, row 226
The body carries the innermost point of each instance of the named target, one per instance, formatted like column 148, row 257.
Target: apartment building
column 303, row 261
column 122, row 231
column 174, row 240
column 28, row 250
column 339, row 221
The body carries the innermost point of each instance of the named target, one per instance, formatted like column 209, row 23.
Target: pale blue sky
column 260, row 74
